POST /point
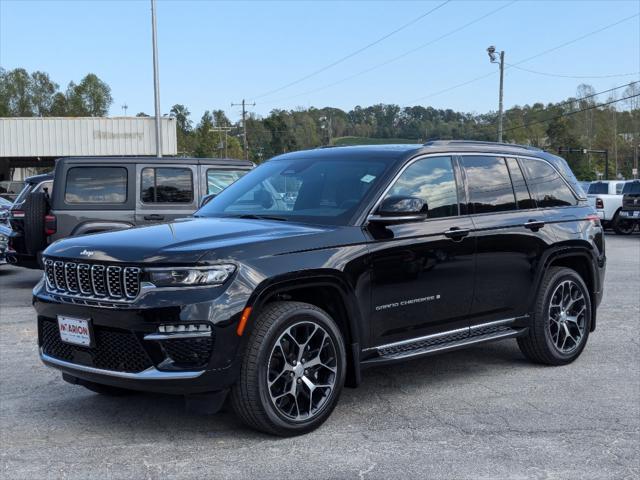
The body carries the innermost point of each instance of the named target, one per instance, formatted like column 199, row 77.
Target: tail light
column 594, row 219
column 50, row 224
column 599, row 204
column 17, row 213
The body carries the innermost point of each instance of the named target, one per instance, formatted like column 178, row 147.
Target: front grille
column 189, row 352
column 92, row 281
column 117, row 350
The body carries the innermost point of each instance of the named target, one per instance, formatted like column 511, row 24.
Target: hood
column 193, row 240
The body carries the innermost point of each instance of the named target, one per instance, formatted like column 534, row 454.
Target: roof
column 54, row 137
column 222, row 162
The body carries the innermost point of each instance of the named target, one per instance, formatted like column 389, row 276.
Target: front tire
column 293, row 370
column 561, row 319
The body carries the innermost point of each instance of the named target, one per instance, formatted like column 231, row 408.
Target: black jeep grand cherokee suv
column 320, row 263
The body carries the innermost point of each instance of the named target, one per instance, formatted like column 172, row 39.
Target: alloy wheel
column 567, row 316
column 302, row 371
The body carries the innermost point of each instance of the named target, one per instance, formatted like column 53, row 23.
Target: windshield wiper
column 259, row 217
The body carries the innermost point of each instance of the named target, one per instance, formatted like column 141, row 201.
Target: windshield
column 322, row 191
column 631, row 187
column 5, row 203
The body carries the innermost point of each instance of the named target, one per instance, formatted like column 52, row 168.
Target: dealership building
column 30, row 144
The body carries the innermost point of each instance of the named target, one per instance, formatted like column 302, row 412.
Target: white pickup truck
column 606, row 197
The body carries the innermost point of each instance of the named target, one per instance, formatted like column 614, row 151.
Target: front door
column 423, row 271
column 165, row 192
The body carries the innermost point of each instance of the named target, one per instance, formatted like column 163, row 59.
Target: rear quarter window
column 96, row 185
column 546, row 185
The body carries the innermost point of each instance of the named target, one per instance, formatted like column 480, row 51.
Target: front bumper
column 633, row 215
column 129, row 353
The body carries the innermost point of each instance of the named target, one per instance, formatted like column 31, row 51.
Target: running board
column 421, row 348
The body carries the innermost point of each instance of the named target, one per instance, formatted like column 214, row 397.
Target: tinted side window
column 432, row 180
column 490, row 188
column 547, row 187
column 219, row 179
column 523, row 197
column 96, row 185
column 167, row 185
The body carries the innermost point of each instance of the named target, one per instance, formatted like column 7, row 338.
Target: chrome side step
column 429, row 346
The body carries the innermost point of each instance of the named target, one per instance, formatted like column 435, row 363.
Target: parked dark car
column 99, row 194
column 25, row 245
column 5, row 206
column 630, row 211
column 278, row 296
column 9, row 189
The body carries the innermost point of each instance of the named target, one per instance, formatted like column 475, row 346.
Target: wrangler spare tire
column 35, row 209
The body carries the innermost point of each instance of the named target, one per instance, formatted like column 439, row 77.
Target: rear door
column 509, row 241
column 165, row 192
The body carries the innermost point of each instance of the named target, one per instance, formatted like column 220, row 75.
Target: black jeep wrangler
column 320, row 263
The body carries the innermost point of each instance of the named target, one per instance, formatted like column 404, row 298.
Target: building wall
column 76, row 136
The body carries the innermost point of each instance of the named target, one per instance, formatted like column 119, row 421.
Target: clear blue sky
column 213, row 53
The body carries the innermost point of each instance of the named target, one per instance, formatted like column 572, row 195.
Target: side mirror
column 400, row 208
column 206, row 199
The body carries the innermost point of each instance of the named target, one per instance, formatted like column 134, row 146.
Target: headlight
column 190, row 277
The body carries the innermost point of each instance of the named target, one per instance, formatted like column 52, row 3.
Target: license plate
column 76, row 331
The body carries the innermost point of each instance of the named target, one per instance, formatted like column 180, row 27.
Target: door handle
column 154, row 216
column 534, row 225
column 456, row 233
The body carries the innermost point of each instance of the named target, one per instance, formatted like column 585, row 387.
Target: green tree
column 91, row 97
column 42, row 91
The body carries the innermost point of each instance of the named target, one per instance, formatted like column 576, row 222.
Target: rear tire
column 292, row 372
column 623, row 226
column 35, row 209
column 561, row 319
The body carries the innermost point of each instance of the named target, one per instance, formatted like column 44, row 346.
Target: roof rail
column 478, row 142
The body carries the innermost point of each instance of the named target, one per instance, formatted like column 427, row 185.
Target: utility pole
column 124, row 109
column 492, row 57
column 156, row 79
column 226, row 130
column 327, row 126
column 245, row 144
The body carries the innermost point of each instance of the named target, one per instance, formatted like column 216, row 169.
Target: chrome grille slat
column 84, row 279
column 114, row 281
column 71, row 276
column 131, row 281
column 58, row 274
column 98, row 283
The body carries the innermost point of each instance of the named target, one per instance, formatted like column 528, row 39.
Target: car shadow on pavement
column 154, row 413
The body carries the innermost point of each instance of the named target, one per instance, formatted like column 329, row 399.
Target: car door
column 165, row 192
column 511, row 237
column 423, row 271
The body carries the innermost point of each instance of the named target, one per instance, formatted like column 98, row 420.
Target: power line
column 396, row 58
column 549, row 50
column 492, row 125
column 567, row 102
column 568, row 114
column 561, row 75
column 354, row 53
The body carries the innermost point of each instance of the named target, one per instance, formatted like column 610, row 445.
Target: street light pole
column 156, row 79
column 492, row 56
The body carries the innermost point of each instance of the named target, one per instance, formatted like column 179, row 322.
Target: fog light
column 182, row 328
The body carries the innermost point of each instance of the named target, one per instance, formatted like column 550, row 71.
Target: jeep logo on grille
column 87, row 253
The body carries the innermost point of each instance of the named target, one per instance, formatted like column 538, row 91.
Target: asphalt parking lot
column 479, row 413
